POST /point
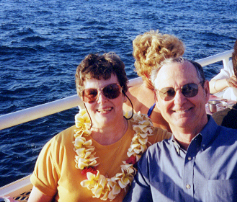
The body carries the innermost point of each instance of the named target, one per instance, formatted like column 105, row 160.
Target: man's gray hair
column 180, row 60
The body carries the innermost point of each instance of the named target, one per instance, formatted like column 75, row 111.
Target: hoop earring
column 131, row 105
column 88, row 114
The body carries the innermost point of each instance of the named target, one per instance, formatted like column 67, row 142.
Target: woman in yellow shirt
column 94, row 160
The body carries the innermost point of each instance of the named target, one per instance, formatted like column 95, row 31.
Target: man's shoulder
column 211, row 128
column 226, row 137
column 161, row 146
column 158, row 152
column 228, row 131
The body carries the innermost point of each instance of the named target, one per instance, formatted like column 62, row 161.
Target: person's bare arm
column 220, row 84
column 232, row 81
column 37, row 196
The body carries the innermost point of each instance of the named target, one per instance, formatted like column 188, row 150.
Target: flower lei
column 102, row 187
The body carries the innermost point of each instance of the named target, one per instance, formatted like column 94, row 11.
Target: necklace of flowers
column 101, row 186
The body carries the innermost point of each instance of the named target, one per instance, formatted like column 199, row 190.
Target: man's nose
column 179, row 98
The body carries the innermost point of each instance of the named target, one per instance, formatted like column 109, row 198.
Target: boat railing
column 29, row 114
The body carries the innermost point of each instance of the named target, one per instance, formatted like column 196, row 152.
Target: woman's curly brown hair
column 151, row 48
column 95, row 66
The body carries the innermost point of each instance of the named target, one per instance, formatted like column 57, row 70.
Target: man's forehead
column 172, row 72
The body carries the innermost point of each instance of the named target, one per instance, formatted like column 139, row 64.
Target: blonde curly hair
column 151, row 48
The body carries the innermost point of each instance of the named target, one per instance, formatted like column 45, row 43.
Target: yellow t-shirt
column 55, row 172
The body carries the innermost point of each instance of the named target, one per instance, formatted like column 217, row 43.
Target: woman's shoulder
column 134, row 94
column 141, row 97
column 134, row 90
column 58, row 145
column 63, row 138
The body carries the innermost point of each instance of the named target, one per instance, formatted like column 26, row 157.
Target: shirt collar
column 176, row 144
column 208, row 132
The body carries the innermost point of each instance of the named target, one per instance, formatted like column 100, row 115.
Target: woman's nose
column 101, row 97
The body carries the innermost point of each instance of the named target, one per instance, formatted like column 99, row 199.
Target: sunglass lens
column 111, row 91
column 89, row 95
column 167, row 93
column 190, row 90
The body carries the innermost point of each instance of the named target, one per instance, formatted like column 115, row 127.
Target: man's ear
column 156, row 99
column 206, row 90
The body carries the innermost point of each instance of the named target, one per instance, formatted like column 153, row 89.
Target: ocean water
column 42, row 42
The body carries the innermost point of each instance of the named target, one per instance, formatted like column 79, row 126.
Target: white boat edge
column 43, row 110
column 24, row 185
column 17, row 187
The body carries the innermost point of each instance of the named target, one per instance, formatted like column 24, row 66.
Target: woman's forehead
column 95, row 83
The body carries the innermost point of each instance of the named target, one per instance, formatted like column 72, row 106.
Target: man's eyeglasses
column 110, row 91
column 188, row 90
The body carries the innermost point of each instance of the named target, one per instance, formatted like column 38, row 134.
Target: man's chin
column 182, row 121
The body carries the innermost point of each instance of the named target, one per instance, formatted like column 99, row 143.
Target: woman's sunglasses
column 188, row 90
column 110, row 91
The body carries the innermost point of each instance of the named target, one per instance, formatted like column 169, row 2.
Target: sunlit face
column 104, row 111
column 181, row 111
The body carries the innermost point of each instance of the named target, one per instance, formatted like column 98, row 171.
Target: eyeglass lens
column 188, row 90
column 110, row 91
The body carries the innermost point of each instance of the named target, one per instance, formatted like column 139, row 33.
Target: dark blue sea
column 43, row 41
